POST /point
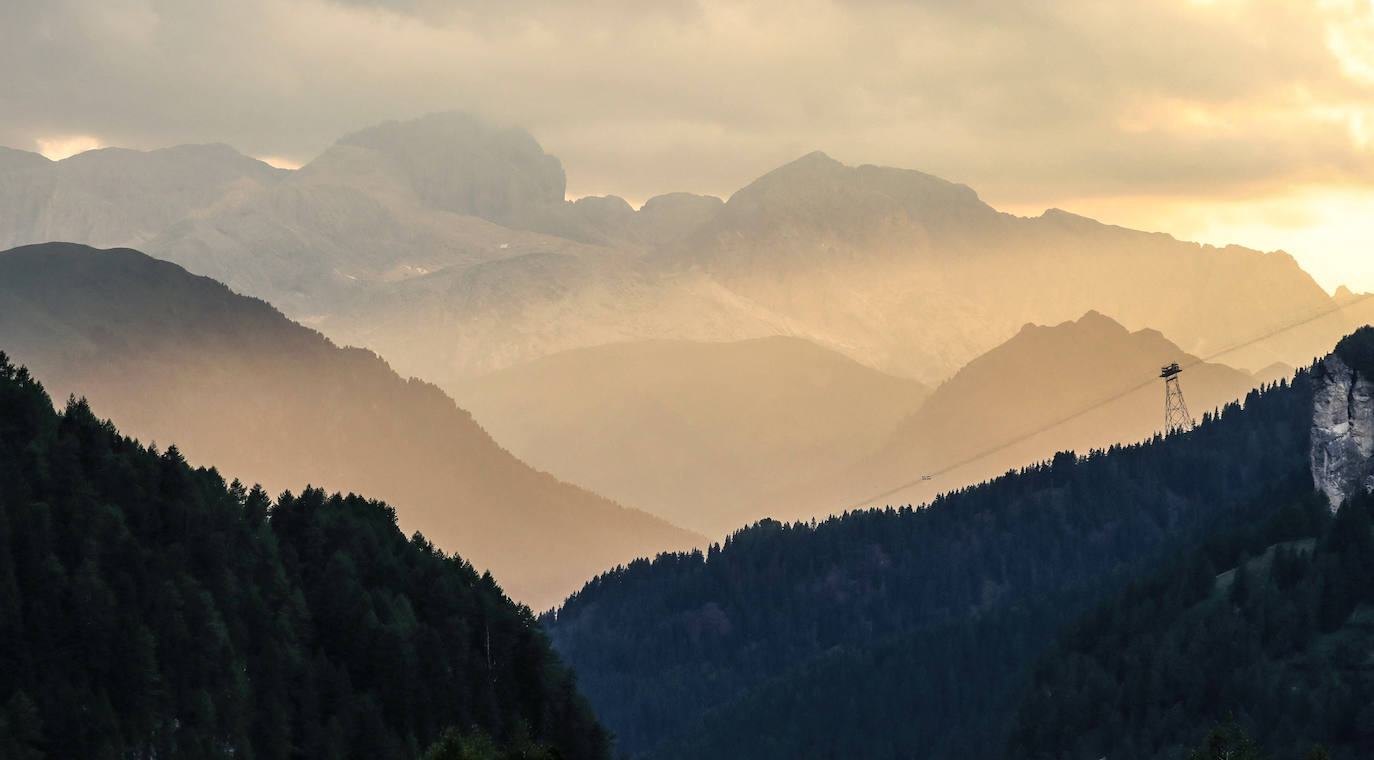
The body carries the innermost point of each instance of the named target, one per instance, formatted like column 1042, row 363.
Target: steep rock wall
column 1342, row 430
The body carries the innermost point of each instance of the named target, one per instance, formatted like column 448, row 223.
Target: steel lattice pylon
column 1176, row 416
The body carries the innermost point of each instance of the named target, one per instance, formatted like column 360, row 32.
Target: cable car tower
column 1176, row 416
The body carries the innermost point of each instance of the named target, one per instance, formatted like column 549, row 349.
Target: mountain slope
column 149, row 610
column 694, row 432
column 743, row 652
column 181, row 359
column 1080, row 385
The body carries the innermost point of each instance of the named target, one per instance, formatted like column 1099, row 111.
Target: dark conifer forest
column 148, row 609
column 1267, row 626
column 904, row 632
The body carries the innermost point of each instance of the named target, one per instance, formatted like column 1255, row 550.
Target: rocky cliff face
column 1342, row 430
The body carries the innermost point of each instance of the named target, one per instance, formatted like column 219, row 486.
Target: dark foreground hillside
column 1279, row 642
column 1268, row 625
column 147, row 609
column 900, row 633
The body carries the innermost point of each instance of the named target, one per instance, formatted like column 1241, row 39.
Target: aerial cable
column 1101, row 403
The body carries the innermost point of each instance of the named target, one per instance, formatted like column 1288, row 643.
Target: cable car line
column 1099, row 404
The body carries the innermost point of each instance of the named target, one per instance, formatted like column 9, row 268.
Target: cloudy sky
column 1248, row 121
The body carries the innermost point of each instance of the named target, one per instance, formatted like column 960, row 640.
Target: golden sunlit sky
column 1245, row 121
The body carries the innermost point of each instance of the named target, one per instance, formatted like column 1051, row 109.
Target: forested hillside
column 148, row 609
column 1279, row 641
column 892, row 632
column 1269, row 624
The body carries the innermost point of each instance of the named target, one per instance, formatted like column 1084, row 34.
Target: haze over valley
column 415, row 379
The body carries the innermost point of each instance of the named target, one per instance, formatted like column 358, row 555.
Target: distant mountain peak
column 462, row 163
column 1093, row 322
column 1097, row 321
column 1344, row 295
column 816, row 193
column 1068, row 218
column 818, row 158
column 11, row 158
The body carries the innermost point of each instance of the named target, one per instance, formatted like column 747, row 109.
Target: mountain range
column 460, row 226
column 445, row 244
column 901, row 271
column 182, row 359
column 1065, row 579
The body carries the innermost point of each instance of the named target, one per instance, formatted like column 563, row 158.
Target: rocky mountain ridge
column 394, row 226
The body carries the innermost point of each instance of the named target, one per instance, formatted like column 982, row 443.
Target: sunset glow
column 56, row 149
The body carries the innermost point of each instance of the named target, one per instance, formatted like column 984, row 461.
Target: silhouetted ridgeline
column 147, row 609
column 910, row 633
column 175, row 357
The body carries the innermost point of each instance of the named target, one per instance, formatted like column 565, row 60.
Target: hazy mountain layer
column 896, row 269
column 114, row 196
column 694, row 432
column 457, row 324
column 925, row 276
column 899, row 270
column 181, row 359
column 1079, row 385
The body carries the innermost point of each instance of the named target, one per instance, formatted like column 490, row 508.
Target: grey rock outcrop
column 1342, row 431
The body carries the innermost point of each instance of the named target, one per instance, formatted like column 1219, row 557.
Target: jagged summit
column 816, row 177
column 1344, row 295
column 459, row 162
column 1078, row 384
column 679, row 201
column 117, row 196
column 1059, row 214
column 818, row 213
column 1093, row 338
column 1092, row 322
